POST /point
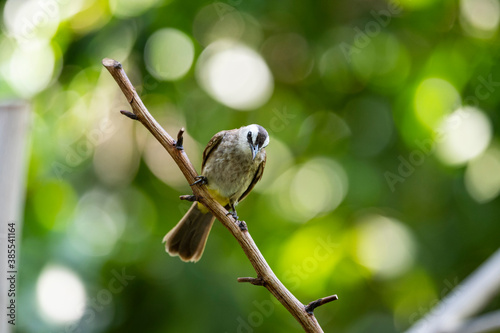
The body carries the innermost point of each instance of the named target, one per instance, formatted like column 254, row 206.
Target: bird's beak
column 255, row 150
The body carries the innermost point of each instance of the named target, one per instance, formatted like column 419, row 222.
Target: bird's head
column 254, row 136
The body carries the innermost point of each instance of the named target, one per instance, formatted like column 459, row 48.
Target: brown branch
column 262, row 268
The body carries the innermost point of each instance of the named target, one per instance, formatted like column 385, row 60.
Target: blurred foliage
column 383, row 168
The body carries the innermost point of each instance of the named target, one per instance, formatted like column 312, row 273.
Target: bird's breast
column 230, row 171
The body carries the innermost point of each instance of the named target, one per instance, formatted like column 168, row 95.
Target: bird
column 233, row 162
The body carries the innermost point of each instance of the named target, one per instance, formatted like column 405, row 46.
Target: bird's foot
column 202, row 180
column 233, row 214
column 242, row 225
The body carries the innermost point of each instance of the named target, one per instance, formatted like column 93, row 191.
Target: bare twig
column 465, row 300
column 180, row 139
column 128, row 114
column 262, row 268
column 255, row 281
column 314, row 304
column 188, row 197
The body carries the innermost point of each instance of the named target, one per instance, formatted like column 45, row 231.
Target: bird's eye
column 249, row 135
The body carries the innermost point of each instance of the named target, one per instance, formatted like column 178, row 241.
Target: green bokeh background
column 355, row 92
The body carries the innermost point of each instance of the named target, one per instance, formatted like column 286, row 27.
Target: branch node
column 314, row 304
column 188, row 197
column 180, row 139
column 259, row 281
column 129, row 114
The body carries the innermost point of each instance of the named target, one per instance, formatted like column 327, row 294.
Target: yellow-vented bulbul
column 233, row 162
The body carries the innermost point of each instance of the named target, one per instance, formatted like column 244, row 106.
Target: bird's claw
column 242, row 225
column 202, row 180
column 233, row 214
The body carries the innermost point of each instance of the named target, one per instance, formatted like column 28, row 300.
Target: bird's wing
column 211, row 146
column 256, row 177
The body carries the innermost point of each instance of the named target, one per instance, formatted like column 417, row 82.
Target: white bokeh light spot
column 482, row 177
column 310, row 190
column 28, row 74
column 463, row 135
column 234, row 75
column 60, row 295
column 169, row 54
column 385, row 245
column 480, row 18
column 99, row 222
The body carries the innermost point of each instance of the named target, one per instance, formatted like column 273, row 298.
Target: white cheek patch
column 266, row 142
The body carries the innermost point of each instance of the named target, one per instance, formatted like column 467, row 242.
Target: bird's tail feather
column 188, row 238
